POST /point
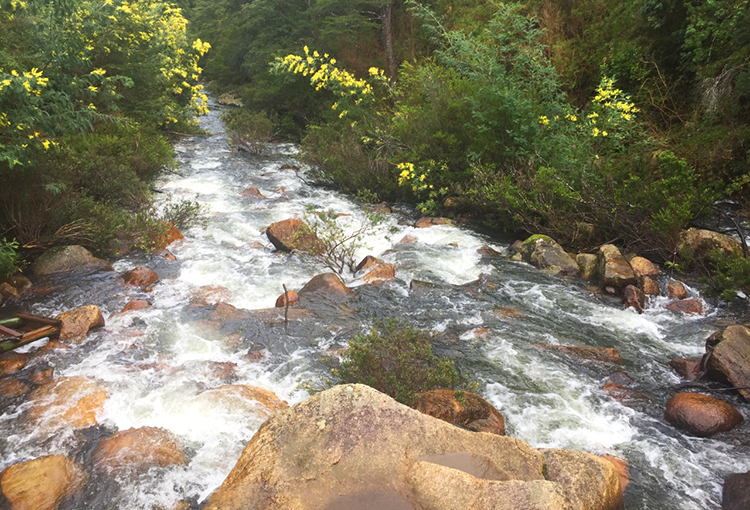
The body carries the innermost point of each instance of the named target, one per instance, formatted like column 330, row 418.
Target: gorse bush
column 396, row 359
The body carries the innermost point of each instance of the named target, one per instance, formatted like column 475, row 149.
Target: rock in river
column 293, row 234
column 461, row 408
column 68, row 258
column 544, row 252
column 701, row 415
column 139, row 449
column 351, row 444
column 614, row 268
column 736, row 492
column 76, row 323
column 727, row 358
column 41, row 484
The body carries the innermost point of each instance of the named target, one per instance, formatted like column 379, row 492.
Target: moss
column 538, row 237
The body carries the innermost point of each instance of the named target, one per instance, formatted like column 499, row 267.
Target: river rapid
column 157, row 364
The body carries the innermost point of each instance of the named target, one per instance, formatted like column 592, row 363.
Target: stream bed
column 158, row 365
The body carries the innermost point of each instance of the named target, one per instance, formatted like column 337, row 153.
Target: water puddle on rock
column 475, row 465
column 371, row 500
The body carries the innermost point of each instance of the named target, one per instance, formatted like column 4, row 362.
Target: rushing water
column 158, row 364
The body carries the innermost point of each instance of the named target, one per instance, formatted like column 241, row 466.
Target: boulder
column 589, row 481
column 172, row 235
column 701, row 415
column 226, row 312
column 622, row 467
column 626, row 396
column 11, row 362
column 367, row 263
column 18, row 281
column 139, row 449
column 643, row 267
column 587, row 262
column 687, row 306
column 727, row 358
column 605, row 354
column 381, row 273
column 43, row 376
column 687, row 368
column 244, row 398
column 544, row 252
column 68, row 258
column 649, row 286
column 290, row 297
column 614, row 269
column 381, row 208
column 76, row 323
column 140, row 277
column 12, row 388
column 8, row 291
column 69, row 401
column 676, row 290
column 429, row 221
column 293, row 234
column 634, row 298
column 702, row 242
column 461, row 408
column 351, row 444
column 487, row 252
column 736, row 492
column 327, row 284
column 253, row 192
column 41, row 484
column 209, row 295
column 408, row 239
column 136, row 304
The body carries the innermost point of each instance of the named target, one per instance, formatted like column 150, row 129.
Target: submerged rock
column 69, row 401
column 429, row 221
column 41, row 484
column 139, row 449
column 606, row 354
column 136, row 304
column 68, row 258
column 140, row 277
column 244, row 398
column 614, row 269
column 12, row 362
column 736, row 492
column 727, row 358
column 635, row 298
column 293, row 234
column 328, row 284
column 253, row 192
column 687, row 306
column 687, row 368
column 12, row 388
column 461, row 408
column 544, row 252
column 701, row 415
column 76, row 323
column 352, row 444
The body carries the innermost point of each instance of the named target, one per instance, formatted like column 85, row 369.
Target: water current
column 158, row 364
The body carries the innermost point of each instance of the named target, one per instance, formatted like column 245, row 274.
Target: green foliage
column 729, row 273
column 9, row 258
column 185, row 213
column 397, row 359
column 248, row 131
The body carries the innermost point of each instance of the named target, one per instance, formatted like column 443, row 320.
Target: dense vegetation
column 89, row 91
column 588, row 120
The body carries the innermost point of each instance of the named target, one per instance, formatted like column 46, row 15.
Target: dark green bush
column 248, row 131
column 397, row 359
column 9, row 259
column 728, row 274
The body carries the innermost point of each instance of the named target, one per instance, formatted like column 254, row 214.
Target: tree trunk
column 386, row 18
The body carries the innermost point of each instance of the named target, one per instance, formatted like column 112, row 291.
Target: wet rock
column 209, row 295
column 236, row 398
column 488, row 253
column 166, row 254
column 507, row 312
column 41, row 484
column 12, row 362
column 358, row 442
column 461, row 408
column 18, row 282
column 676, row 290
column 650, row 287
column 642, row 267
column 172, row 235
column 140, row 277
column 382, row 208
column 136, row 304
column 544, row 252
column 481, row 332
column 687, row 368
column 605, row 354
column 41, row 377
column 589, row 481
column 420, row 288
column 273, row 316
column 69, row 401
column 68, row 258
column 76, row 323
column 12, row 388
column 634, row 298
column 622, row 467
column 587, row 262
column 621, row 378
column 328, row 284
column 253, row 192
column 293, row 234
column 727, row 358
column 408, row 239
column 624, row 395
column 701, row 415
column 290, row 297
column 381, row 273
column 614, row 269
column 515, row 248
column 223, row 370
column 226, row 312
column 368, row 262
column 735, row 494
column 687, row 306
column 8, row 291
column 289, row 166
column 429, row 221
column 139, row 449
column 702, row 242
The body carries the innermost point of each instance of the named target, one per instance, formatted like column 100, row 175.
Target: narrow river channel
column 159, row 365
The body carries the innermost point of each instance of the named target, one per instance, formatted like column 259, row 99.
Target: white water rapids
column 158, row 363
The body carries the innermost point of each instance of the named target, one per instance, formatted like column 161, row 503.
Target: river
column 156, row 364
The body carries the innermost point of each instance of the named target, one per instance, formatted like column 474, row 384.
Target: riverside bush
column 9, row 259
column 396, row 359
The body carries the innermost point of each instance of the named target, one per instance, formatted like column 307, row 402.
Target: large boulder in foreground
column 702, row 242
column 727, row 358
column 352, row 444
column 542, row 251
column 68, row 258
column 461, row 408
column 293, row 234
column 614, row 268
column 41, row 484
column 76, row 323
column 701, row 415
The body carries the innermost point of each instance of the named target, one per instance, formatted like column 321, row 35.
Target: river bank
column 163, row 366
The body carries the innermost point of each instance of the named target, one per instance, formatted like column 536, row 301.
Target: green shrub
column 248, row 131
column 729, row 273
column 9, row 259
column 397, row 359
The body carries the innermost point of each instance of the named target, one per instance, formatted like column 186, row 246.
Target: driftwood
column 26, row 328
